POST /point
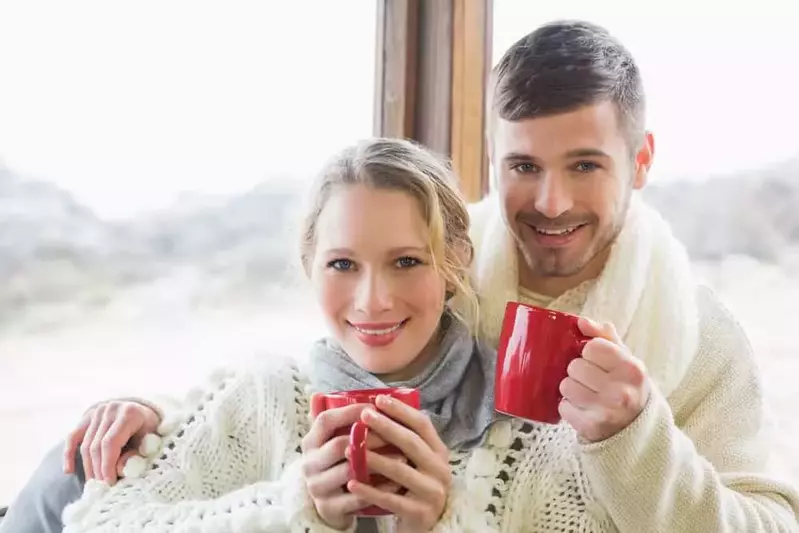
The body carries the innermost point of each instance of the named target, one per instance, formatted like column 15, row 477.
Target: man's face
column 565, row 183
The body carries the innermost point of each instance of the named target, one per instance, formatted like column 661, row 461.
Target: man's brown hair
column 565, row 65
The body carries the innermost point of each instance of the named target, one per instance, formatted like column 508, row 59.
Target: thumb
column 604, row 330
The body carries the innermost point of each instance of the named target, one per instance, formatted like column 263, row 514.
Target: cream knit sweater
column 694, row 461
column 691, row 464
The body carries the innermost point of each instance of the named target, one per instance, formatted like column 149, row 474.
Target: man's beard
column 551, row 263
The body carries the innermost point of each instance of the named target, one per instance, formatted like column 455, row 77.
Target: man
column 667, row 407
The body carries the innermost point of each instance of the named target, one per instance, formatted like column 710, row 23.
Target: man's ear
column 643, row 160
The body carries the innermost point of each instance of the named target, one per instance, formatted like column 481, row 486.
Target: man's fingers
column 97, row 446
column 111, row 445
column 578, row 394
column 604, row 354
column 588, row 374
column 86, row 444
column 604, row 330
column 72, row 443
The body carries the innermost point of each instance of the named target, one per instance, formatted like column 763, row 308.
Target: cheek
column 426, row 293
column 333, row 294
column 513, row 195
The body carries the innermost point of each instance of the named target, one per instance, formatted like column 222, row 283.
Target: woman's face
column 374, row 278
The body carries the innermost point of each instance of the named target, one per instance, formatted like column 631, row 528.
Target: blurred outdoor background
column 154, row 155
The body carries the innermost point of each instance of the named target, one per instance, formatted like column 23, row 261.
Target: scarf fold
column 456, row 388
column 646, row 289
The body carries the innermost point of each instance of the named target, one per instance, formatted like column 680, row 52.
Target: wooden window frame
column 432, row 64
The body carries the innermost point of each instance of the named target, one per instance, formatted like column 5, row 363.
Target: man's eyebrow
column 513, row 157
column 586, row 152
column 517, row 156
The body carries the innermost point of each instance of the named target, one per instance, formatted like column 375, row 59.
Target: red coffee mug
column 534, row 352
column 359, row 432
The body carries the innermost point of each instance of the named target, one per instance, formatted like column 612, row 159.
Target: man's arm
column 703, row 466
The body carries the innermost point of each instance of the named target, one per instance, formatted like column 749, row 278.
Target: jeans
column 39, row 506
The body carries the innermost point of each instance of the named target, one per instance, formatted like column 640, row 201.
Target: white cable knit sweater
column 693, row 466
column 693, row 461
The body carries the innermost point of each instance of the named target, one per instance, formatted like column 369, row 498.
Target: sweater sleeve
column 704, row 467
column 221, row 466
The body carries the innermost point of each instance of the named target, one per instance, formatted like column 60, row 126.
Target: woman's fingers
column 325, row 484
column 398, row 504
column 412, row 445
column 398, row 471
column 327, row 423
column 331, row 453
column 341, row 504
column 413, row 419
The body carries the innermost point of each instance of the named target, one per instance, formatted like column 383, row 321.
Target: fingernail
column 385, row 400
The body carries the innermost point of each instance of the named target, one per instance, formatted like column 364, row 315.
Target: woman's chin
column 377, row 361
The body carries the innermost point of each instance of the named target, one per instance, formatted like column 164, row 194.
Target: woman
column 386, row 248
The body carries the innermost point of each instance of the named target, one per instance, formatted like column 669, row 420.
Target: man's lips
column 556, row 236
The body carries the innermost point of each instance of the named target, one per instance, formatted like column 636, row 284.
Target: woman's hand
column 426, row 482
column 325, row 467
column 108, row 435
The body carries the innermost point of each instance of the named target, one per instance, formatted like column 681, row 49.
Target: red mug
column 359, row 432
column 535, row 348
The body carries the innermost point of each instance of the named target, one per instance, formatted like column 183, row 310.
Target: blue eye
column 408, row 262
column 342, row 265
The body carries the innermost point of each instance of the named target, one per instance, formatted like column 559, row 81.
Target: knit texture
column 693, row 461
column 692, row 464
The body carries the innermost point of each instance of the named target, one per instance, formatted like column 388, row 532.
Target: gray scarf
column 457, row 388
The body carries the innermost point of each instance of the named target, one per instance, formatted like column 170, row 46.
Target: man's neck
column 557, row 285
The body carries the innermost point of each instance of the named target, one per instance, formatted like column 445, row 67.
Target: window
column 152, row 158
column 721, row 103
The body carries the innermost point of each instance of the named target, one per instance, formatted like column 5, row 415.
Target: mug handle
column 358, row 470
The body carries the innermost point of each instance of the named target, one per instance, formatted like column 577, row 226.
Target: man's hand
column 606, row 389
column 108, row 435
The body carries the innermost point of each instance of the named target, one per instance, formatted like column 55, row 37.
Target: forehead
column 360, row 216
column 596, row 126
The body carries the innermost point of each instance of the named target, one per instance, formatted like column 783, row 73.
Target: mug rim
column 380, row 390
column 539, row 309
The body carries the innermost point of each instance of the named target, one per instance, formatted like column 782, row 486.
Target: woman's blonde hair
column 401, row 165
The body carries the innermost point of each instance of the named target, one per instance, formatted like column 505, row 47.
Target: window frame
column 432, row 65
